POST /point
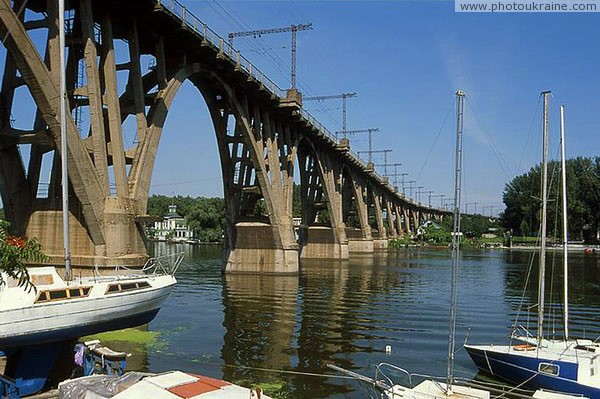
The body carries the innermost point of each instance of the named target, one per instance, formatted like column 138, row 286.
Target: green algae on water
column 130, row 335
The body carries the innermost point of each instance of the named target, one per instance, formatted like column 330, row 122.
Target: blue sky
column 405, row 59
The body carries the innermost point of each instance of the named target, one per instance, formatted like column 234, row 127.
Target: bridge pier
column 123, row 244
column 379, row 241
column 257, row 249
column 320, row 242
column 358, row 242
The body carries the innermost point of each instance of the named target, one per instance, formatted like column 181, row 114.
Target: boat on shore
column 168, row 385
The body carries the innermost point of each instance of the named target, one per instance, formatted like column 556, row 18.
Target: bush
column 15, row 252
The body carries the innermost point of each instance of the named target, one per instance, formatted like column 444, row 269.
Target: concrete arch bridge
column 129, row 58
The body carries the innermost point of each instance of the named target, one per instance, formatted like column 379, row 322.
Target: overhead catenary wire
column 224, row 10
column 186, row 182
column 533, row 120
column 433, row 144
column 503, row 164
column 294, row 29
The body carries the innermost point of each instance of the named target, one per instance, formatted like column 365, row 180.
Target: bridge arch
column 321, row 199
column 258, row 127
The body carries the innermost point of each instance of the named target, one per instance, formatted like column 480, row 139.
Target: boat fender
column 524, row 347
column 256, row 393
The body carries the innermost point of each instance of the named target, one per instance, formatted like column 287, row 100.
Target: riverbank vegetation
column 523, row 205
column 478, row 232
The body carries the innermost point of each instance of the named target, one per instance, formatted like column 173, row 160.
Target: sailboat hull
column 67, row 332
column 25, row 320
column 524, row 368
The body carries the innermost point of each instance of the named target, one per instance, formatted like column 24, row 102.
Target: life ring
column 524, row 347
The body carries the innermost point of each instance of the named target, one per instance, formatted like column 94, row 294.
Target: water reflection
column 248, row 328
column 259, row 321
column 584, row 282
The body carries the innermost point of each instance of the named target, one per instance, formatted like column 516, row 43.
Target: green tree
column 207, row 218
column 523, row 203
column 436, row 234
column 15, row 252
column 474, row 226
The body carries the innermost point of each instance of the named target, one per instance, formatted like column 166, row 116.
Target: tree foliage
column 15, row 252
column 522, row 198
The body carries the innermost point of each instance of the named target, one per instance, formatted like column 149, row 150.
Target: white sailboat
column 62, row 309
column 567, row 365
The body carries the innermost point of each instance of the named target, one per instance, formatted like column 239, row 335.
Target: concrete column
column 360, row 240
column 381, row 241
column 391, row 211
column 324, row 242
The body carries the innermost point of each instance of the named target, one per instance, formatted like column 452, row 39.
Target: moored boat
column 567, row 365
column 58, row 310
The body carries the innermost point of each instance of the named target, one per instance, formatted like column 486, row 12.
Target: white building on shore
column 172, row 227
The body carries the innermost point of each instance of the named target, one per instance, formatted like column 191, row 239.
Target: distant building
column 172, row 227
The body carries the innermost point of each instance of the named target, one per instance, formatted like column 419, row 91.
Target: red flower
column 15, row 241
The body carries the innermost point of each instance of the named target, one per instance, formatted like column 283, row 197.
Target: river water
column 281, row 332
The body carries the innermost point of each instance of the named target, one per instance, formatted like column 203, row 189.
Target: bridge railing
column 357, row 158
column 227, row 51
column 223, row 47
column 311, row 120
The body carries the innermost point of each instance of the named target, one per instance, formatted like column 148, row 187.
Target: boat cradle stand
column 29, row 369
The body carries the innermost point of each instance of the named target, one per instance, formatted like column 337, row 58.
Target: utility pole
column 410, row 187
column 467, row 207
column 343, row 96
column 371, row 152
column 429, row 197
column 385, row 166
column 370, row 131
column 435, row 196
column 403, row 174
column 418, row 193
column 491, row 210
column 292, row 28
column 396, row 174
column 448, row 201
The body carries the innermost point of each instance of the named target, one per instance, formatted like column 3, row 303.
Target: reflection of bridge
column 262, row 132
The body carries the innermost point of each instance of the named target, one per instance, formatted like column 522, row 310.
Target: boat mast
column 460, row 105
column 63, row 138
column 542, row 265
column 564, row 214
